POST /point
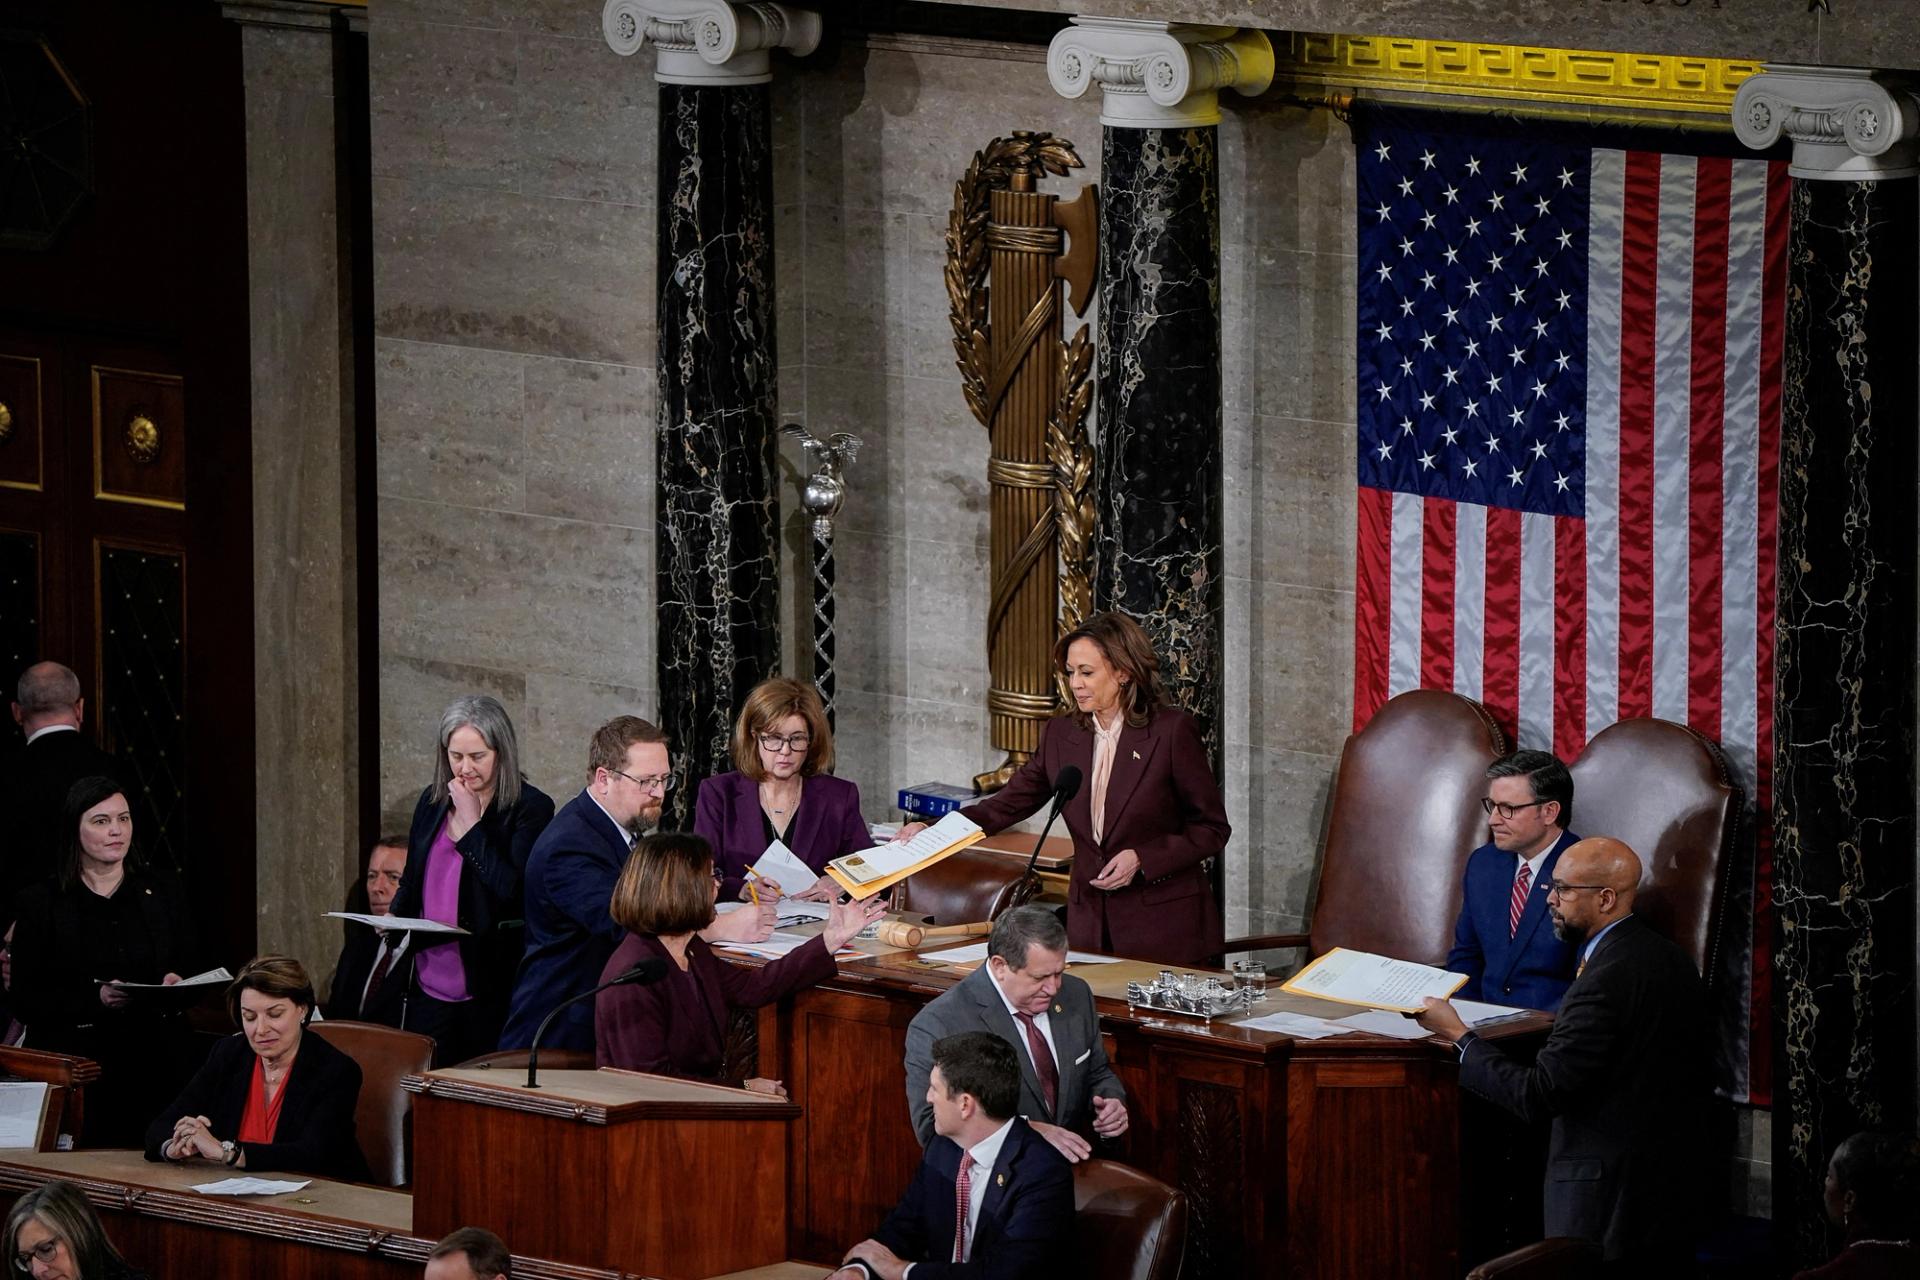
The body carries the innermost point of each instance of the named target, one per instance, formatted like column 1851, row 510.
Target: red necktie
column 380, row 971
column 1043, row 1065
column 962, row 1193
column 1519, row 904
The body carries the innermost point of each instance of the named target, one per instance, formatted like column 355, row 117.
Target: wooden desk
column 1313, row 1159
column 328, row 1231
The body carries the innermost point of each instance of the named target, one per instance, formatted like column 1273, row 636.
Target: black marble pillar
column 1843, row 808
column 1158, row 460
column 717, row 530
column 824, row 681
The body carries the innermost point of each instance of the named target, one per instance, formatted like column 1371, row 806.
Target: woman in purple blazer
column 1148, row 813
column 677, row 1026
column 780, row 790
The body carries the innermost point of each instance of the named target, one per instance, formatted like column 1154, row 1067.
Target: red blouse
column 261, row 1117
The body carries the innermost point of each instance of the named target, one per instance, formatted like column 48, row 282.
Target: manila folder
column 870, row 871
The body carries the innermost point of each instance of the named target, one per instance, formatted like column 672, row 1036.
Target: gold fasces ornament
column 1010, row 248
column 143, row 437
column 6, row 422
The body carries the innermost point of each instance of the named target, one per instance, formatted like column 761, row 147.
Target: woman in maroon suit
column 1148, row 814
column 780, row 789
column 677, row 1026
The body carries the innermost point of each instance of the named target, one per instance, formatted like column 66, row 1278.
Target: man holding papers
column 1023, row 995
column 1502, row 941
column 1622, row 1077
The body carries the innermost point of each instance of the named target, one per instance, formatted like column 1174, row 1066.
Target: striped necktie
column 1518, row 906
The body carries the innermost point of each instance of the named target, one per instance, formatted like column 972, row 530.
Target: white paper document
column 406, row 924
column 779, row 944
column 782, row 866
column 211, row 978
column 892, row 858
column 1378, row 1022
column 794, row 911
column 1477, row 1013
column 23, row 1104
column 250, row 1187
column 1378, row 982
column 1298, row 1025
column 977, row 953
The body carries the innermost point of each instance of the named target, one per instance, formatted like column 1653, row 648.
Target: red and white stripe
column 1660, row 601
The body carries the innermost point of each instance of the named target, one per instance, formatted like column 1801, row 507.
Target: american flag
column 1569, row 408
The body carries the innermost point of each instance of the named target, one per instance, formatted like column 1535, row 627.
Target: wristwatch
column 229, row 1152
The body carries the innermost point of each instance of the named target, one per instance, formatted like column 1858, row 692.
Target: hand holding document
column 406, row 924
column 868, row 872
column 1376, row 982
column 211, row 978
column 782, row 866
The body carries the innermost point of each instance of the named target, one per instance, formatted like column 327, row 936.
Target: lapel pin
column 1136, row 755
column 1000, row 1179
column 1056, row 1008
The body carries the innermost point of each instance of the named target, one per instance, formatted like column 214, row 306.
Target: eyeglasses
column 662, row 782
column 1508, row 810
column 45, row 1252
column 1560, row 888
column 794, row 742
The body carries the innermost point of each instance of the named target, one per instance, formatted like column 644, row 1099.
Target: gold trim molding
column 1549, row 80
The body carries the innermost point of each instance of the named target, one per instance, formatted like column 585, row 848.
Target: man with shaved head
column 1622, row 1076
column 35, row 776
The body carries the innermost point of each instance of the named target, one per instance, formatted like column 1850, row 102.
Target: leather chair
column 1664, row 789
column 384, row 1118
column 1405, row 814
column 1560, row 1258
column 1126, row 1224
column 968, row 886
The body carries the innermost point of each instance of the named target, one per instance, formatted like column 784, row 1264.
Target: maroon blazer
column 678, row 1025
column 1162, row 803
column 727, row 814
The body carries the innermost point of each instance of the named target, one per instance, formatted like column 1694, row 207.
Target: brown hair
column 1128, row 651
column 64, row 1210
column 486, row 1252
column 281, row 977
column 771, row 702
column 607, row 749
column 666, row 886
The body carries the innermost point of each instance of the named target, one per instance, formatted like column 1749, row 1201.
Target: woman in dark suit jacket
column 105, row 918
column 1148, row 813
column 780, row 789
column 466, row 859
column 270, row 1098
column 677, row 1026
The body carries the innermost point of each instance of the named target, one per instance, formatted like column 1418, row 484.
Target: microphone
column 1066, row 785
column 652, row 969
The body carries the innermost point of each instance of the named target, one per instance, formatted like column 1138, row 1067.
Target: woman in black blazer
column 104, row 918
column 466, row 858
column 271, row 1098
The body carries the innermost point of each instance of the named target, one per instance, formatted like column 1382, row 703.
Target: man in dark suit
column 1623, row 1075
column 991, row 1200
column 35, row 777
column 1502, row 941
column 570, row 878
column 370, row 980
column 1023, row 994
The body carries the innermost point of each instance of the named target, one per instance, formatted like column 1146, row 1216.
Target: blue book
column 934, row 799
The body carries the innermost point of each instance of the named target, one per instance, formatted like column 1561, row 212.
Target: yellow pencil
column 755, row 893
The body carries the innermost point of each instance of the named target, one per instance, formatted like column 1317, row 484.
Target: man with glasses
column 1501, row 941
column 1623, row 1075
column 570, row 878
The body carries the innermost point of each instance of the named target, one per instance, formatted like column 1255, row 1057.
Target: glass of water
column 1252, row 977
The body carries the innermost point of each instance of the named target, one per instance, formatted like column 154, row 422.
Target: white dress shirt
column 618, row 825
column 984, row 1153
column 52, row 728
column 392, row 942
column 1041, row 1021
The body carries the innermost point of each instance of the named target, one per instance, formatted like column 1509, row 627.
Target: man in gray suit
column 1023, row 995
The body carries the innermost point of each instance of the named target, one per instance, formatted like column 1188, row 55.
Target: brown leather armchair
column 1664, row 789
column 1561, row 1258
column 966, row 887
column 384, row 1117
column 1126, row 1224
column 1404, row 816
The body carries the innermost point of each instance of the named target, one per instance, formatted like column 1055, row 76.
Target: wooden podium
column 649, row 1174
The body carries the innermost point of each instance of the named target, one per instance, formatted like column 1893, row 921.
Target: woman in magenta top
column 466, row 856
column 780, row 789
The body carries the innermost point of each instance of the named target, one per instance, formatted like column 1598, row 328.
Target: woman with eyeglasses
column 54, row 1234
column 473, row 830
column 780, row 789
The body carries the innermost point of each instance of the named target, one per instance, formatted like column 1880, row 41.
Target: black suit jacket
column 1623, row 1077
column 492, row 886
column 350, row 976
column 1025, row 1228
column 315, row 1135
column 34, row 780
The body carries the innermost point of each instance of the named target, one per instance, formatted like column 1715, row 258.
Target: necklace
column 1891, row 1244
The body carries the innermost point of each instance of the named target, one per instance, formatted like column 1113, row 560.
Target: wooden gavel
column 898, row 933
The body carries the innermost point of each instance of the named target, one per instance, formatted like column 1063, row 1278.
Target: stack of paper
column 867, row 873
column 1298, row 1025
column 250, row 1187
column 23, row 1109
column 1376, row 1022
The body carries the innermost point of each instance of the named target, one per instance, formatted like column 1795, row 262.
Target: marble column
column 300, row 63
column 716, row 553
column 1846, row 636
column 1158, row 460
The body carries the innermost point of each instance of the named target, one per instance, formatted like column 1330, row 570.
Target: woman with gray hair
column 466, row 856
column 54, row 1234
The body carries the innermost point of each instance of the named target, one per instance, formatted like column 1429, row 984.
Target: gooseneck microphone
column 1066, row 785
column 652, row 969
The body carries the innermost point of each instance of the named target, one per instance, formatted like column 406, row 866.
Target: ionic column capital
column 1155, row 75
column 709, row 42
column 1846, row 124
